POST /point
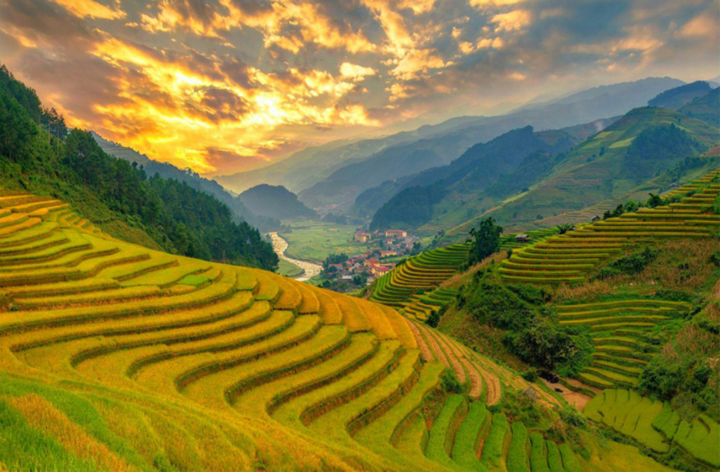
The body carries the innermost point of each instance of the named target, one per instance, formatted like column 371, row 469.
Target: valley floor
column 309, row 269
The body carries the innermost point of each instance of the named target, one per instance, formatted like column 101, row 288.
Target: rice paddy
column 656, row 425
column 571, row 257
column 118, row 357
column 412, row 287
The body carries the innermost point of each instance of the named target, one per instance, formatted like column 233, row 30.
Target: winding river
column 310, row 269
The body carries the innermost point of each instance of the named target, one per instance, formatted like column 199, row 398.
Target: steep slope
column 678, row 97
column 613, row 163
column 148, row 361
column 624, row 310
column 194, row 180
column 478, row 168
column 370, row 201
column 705, row 108
column 275, row 202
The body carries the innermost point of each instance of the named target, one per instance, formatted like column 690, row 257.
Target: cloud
column 355, row 71
column 91, row 9
column 702, row 26
column 511, row 21
column 232, row 84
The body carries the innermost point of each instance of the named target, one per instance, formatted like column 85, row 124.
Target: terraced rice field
column 618, row 332
column 569, row 258
column 509, row 241
column 412, row 287
column 656, row 425
column 178, row 364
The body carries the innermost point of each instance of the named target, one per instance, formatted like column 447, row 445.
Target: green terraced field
column 412, row 287
column 617, row 330
column 655, row 425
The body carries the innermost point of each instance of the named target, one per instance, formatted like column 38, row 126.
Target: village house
column 381, row 270
column 522, row 238
column 362, row 237
column 395, row 233
column 388, row 254
column 372, row 262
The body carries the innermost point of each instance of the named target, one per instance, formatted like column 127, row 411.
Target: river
column 310, row 269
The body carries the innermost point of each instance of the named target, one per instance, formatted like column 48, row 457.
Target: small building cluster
column 385, row 248
column 389, row 240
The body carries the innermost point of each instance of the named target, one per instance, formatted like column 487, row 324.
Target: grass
column 464, row 452
column 538, row 454
column 517, row 459
column 288, row 269
column 632, row 415
column 315, row 241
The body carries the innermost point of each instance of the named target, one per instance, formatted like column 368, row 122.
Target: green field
column 315, row 241
column 288, row 269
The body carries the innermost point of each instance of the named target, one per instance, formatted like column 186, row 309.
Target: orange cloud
column 511, row 21
column 355, row 71
column 91, row 9
column 180, row 111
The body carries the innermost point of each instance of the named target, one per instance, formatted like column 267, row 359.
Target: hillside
column 638, row 148
column 38, row 153
column 678, row 97
column 274, row 202
column 614, row 163
column 194, row 180
column 148, row 361
column 621, row 315
column 706, row 108
column 477, row 169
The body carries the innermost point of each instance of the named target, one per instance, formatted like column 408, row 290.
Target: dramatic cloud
column 229, row 85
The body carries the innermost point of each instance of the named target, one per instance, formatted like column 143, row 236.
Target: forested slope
column 41, row 155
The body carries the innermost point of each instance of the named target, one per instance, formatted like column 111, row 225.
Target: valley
column 459, row 236
column 309, row 269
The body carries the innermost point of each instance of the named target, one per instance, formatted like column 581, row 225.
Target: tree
column 654, row 200
column 486, row 240
column 565, row 227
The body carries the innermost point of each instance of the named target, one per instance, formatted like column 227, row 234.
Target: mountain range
column 330, row 177
column 615, row 163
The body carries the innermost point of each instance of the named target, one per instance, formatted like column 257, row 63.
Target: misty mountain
column 677, row 97
column 478, row 168
column 449, row 139
column 581, row 107
column 275, row 202
column 706, row 108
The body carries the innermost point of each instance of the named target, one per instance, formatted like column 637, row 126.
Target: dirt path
column 576, row 399
column 309, row 269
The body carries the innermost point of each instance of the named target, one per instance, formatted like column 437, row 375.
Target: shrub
column 629, row 265
column 434, row 319
column 449, row 381
column 531, row 375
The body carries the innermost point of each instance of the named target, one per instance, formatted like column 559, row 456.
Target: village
column 385, row 249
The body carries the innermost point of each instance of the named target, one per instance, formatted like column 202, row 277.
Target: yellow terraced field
column 134, row 359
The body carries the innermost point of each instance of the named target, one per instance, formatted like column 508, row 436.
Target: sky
column 224, row 86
